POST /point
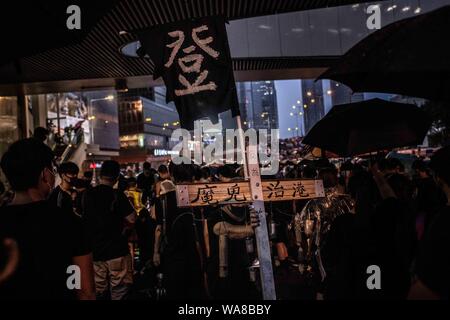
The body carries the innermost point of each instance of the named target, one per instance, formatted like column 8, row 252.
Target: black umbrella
column 368, row 126
column 409, row 57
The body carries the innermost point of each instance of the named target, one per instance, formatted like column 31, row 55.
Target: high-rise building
column 313, row 102
column 258, row 104
column 244, row 92
column 264, row 103
column 341, row 94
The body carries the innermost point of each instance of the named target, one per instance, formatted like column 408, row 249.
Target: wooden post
column 242, row 144
column 261, row 233
column 251, row 170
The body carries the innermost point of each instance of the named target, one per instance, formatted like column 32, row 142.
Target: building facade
column 146, row 124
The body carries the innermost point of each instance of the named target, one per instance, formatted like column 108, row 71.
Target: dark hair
column 347, row 166
column 182, row 173
column 329, row 177
column 419, row 165
column 88, row 174
column 110, row 169
column 364, row 191
column 24, row 161
column 147, row 165
column 197, row 171
column 309, row 172
column 440, row 164
column 132, row 182
column 81, row 184
column 68, row 168
column 402, row 186
column 226, row 171
column 206, row 172
column 385, row 164
column 40, row 133
column 390, row 164
column 397, row 164
column 163, row 169
column 363, row 183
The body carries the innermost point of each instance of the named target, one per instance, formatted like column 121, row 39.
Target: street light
column 107, row 98
column 297, row 114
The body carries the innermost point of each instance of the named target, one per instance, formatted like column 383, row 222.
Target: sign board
column 203, row 194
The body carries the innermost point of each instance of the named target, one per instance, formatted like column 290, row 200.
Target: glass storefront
column 96, row 112
column 8, row 119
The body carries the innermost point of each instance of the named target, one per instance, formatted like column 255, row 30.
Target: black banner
column 194, row 60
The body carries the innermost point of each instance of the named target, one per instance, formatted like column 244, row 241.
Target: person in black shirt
column 145, row 181
column 41, row 134
column 110, row 216
column 432, row 264
column 49, row 239
column 178, row 239
column 61, row 196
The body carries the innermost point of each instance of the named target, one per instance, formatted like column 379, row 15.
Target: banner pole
column 242, row 144
column 251, row 167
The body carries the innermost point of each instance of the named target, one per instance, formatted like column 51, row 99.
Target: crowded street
column 186, row 151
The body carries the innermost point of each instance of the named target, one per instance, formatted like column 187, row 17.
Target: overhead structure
column 94, row 59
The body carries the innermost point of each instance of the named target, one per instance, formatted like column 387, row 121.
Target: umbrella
column 368, row 126
column 409, row 57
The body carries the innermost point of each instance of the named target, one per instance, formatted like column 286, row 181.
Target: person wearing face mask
column 49, row 239
column 62, row 194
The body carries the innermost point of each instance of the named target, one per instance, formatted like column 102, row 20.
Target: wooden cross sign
column 222, row 193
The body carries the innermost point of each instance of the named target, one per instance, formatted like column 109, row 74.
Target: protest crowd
column 130, row 240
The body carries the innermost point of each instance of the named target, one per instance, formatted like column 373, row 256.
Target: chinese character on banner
column 194, row 60
column 234, row 193
column 276, row 190
column 205, row 195
column 299, row 189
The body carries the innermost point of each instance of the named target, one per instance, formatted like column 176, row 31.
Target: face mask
column 70, row 181
column 49, row 185
column 50, row 188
